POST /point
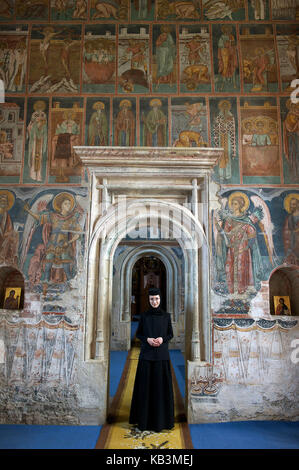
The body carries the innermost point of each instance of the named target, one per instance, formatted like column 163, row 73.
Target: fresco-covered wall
column 140, row 73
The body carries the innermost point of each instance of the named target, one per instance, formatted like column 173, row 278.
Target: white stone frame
column 147, row 175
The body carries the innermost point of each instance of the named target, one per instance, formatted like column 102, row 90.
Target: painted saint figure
column 227, row 57
column 37, row 134
column 154, row 131
column 224, row 133
column 291, row 137
column 125, row 125
column 9, row 238
column 61, row 230
column 165, row 56
column 238, row 255
column 11, row 302
column 291, row 229
column 282, row 308
column 98, row 125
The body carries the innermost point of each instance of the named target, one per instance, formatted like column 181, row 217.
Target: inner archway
column 148, row 272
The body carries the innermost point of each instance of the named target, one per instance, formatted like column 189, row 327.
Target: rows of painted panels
column 149, row 10
column 149, row 58
column 46, row 130
column 43, row 235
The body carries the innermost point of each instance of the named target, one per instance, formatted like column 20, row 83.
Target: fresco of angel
column 54, row 258
column 238, row 258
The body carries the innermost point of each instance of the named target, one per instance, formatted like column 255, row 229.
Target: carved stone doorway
column 128, row 186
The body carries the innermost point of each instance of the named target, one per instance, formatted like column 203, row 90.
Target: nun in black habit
column 152, row 406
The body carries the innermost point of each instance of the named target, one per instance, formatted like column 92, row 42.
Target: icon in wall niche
column 224, row 10
column 290, row 234
column 164, row 59
column 99, row 59
column 109, row 10
column 258, row 58
column 178, row 10
column 133, row 59
column 36, row 149
column 12, row 298
column 189, row 122
column 55, row 59
column 260, row 141
column 282, row 305
column 69, row 9
column 66, row 132
column 226, row 62
column 195, row 60
column 11, row 139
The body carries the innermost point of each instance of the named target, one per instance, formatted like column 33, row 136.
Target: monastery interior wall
column 161, row 74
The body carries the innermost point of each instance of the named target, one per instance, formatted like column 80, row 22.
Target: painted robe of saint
column 98, row 126
column 125, row 125
column 165, row 56
column 227, row 57
column 238, row 255
column 37, row 133
column 291, row 229
column 154, row 131
column 57, row 253
column 224, row 133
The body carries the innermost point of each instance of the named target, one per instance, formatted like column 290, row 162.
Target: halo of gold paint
column 243, row 196
column 287, row 200
column 10, row 198
column 39, row 105
column 222, row 102
column 125, row 103
column 98, row 105
column 61, row 197
column 155, row 101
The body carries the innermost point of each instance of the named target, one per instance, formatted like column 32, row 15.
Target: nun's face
column 154, row 300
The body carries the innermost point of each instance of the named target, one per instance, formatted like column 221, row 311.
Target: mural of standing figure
column 155, row 123
column 98, row 125
column 37, row 134
column 291, row 229
column 237, row 249
column 9, row 238
column 224, row 133
column 165, row 56
column 227, row 57
column 291, row 137
column 61, row 230
column 125, row 125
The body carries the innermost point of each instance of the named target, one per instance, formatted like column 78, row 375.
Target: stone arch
column 108, row 232
column 124, row 281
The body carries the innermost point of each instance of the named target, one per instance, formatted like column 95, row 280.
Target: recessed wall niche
column 284, row 281
column 11, row 289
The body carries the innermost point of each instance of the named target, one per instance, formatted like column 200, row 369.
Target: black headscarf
column 158, row 310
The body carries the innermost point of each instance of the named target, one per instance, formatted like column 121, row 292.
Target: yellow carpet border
column 117, row 433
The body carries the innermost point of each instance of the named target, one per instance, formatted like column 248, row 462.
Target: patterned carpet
column 117, row 433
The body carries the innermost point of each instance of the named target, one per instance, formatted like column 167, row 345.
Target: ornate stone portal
column 148, row 201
